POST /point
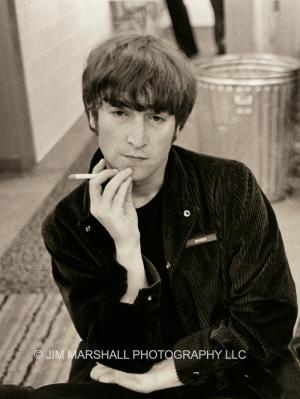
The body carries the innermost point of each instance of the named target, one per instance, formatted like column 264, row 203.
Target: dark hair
column 140, row 72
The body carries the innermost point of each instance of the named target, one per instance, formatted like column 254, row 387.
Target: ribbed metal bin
column 246, row 106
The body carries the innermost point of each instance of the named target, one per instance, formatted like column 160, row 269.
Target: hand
column 142, row 383
column 161, row 376
column 114, row 207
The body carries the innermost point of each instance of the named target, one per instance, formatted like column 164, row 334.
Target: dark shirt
column 150, row 226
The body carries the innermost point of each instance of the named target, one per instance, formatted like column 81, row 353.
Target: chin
column 137, row 176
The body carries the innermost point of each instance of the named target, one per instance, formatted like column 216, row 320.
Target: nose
column 137, row 133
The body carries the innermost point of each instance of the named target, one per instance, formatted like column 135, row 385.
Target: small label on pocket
column 201, row 239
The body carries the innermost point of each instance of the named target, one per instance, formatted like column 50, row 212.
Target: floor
column 22, row 194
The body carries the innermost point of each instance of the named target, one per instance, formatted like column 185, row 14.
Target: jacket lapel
column 179, row 210
column 194, row 271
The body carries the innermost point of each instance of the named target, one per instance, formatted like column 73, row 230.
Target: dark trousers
column 95, row 390
column 182, row 27
column 218, row 8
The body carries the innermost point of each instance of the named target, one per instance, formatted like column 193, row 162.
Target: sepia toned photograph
column 149, row 199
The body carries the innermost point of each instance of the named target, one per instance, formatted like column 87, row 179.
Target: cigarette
column 82, row 176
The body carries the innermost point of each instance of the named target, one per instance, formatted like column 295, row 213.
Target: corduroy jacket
column 227, row 266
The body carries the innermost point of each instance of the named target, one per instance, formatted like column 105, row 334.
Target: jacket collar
column 177, row 182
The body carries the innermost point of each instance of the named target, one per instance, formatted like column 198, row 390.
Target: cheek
column 106, row 140
column 162, row 144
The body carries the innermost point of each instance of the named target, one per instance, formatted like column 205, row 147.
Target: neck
column 143, row 191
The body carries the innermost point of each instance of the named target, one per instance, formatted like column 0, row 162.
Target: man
column 166, row 251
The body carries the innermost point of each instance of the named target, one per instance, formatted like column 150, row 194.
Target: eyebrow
column 122, row 106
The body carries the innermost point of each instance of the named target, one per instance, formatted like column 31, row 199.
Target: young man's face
column 139, row 140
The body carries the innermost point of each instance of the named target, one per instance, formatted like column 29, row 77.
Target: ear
column 93, row 121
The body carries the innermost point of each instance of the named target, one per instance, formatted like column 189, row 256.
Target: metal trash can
column 245, row 106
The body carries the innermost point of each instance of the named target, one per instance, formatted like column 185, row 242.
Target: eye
column 157, row 118
column 118, row 113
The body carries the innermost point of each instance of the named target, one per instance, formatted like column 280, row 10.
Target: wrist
column 129, row 254
column 130, row 257
column 128, row 247
column 164, row 374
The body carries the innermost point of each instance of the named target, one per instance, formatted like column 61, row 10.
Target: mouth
column 135, row 157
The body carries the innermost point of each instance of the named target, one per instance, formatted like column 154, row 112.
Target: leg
column 81, row 368
column 15, row 392
column 182, row 27
column 96, row 390
column 218, row 8
column 88, row 390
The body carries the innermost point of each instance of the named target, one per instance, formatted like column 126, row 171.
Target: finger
column 99, row 371
column 106, row 378
column 96, row 182
column 101, row 366
column 113, row 186
column 129, row 194
column 122, row 193
column 99, row 166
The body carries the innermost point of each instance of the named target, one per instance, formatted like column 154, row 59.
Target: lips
column 137, row 157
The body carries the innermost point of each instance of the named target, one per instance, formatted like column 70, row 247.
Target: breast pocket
column 201, row 273
column 201, row 257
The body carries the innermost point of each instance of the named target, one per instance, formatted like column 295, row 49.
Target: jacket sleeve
column 262, row 308
column 92, row 296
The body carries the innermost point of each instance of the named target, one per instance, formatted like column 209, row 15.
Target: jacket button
column 186, row 213
column 87, row 228
column 246, row 375
column 168, row 265
column 149, row 298
column 196, row 372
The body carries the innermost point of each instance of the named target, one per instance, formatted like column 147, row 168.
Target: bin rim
column 284, row 68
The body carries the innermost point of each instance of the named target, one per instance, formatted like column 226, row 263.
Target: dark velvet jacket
column 227, row 266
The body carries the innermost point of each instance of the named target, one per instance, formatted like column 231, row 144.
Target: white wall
column 260, row 26
column 200, row 12
column 56, row 36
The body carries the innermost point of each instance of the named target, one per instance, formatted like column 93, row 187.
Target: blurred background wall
column 263, row 26
column 45, row 47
